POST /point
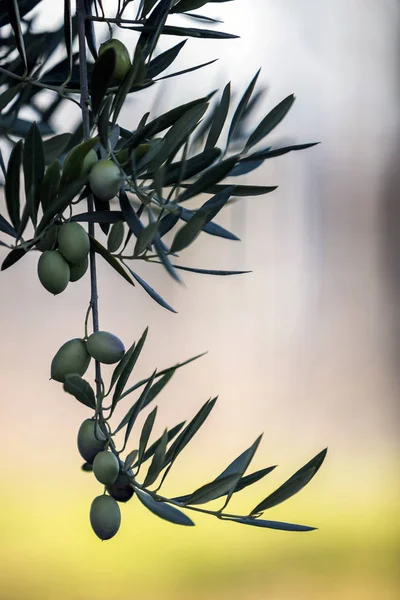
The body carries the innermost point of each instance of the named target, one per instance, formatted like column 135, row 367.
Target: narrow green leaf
column 191, row 167
column 188, row 70
column 150, row 396
column 215, row 489
column 146, row 238
column 109, row 216
column 72, row 167
column 212, row 176
column 164, row 60
column 55, row 146
column 81, row 389
column 130, row 459
column 145, row 435
column 102, row 75
column 103, row 124
column 165, row 260
column 273, row 118
column 163, row 372
column 116, row 236
column 239, row 466
column 273, row 152
column 241, row 190
column 190, row 231
column 61, row 202
column 128, row 367
column 130, row 216
column 114, row 262
column 158, row 462
column 197, row 33
column 68, row 34
column 9, row 95
column 241, row 107
column 127, row 83
column 271, row 524
column 120, row 366
column 219, row 118
column 151, row 291
column 162, row 510
column 190, row 430
column 50, row 185
column 15, row 21
column 12, row 257
column 210, row 271
column 171, row 434
column 12, row 184
column 135, row 410
column 33, row 161
column 210, row 228
column 293, row 485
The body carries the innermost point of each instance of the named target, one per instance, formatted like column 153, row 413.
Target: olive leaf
column 161, row 62
column 273, row 118
column 145, row 238
column 116, row 236
column 270, row 524
column 15, row 21
column 219, row 118
column 112, row 261
column 145, row 435
column 33, row 163
column 125, row 368
column 12, row 184
column 293, row 485
column 212, row 176
column 151, row 292
column 158, row 462
column 14, row 256
column 241, row 107
column 162, row 510
column 213, row 490
column 102, row 75
column 81, row 389
column 50, row 184
column 55, row 146
column 61, row 202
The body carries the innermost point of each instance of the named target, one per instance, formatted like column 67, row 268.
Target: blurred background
column 305, row 348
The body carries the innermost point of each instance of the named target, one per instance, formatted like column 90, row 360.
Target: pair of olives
column 74, row 356
column 64, row 257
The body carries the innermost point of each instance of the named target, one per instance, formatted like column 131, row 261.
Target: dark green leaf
column 191, row 167
column 116, row 236
column 12, row 184
column 186, row 5
column 165, row 260
column 101, row 78
column 273, row 152
column 33, row 161
column 210, row 228
column 242, row 190
column 81, row 389
column 55, row 146
column 219, row 118
column 242, row 168
column 90, row 33
column 150, row 396
column 114, row 262
column 120, row 366
column 110, row 216
column 273, row 118
column 135, row 410
column 127, row 367
column 145, row 435
column 196, row 33
column 213, row 490
column 15, row 21
column 147, row 7
column 158, row 462
column 126, row 84
column 9, row 95
column 272, row 524
column 164, row 60
column 189, row 232
column 68, row 34
column 145, row 238
column 212, row 176
column 179, row 133
column 163, row 372
column 129, row 214
column 190, row 430
column 152, row 293
column 188, row 70
column 50, row 185
column 171, row 434
column 293, row 485
column 130, row 459
column 14, row 256
column 72, row 167
column 104, row 123
column 61, row 202
column 162, row 510
column 241, row 107
column 210, row 271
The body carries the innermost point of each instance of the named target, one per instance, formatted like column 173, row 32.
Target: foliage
column 143, row 180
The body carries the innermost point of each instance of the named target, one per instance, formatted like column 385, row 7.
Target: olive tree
column 130, row 190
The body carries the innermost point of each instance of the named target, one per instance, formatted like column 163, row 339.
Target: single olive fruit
column 105, row 179
column 49, row 240
column 73, row 242
column 90, row 441
column 77, row 271
column 105, row 517
column 106, row 467
column 122, row 58
column 105, row 347
column 72, row 357
column 122, row 490
column 53, row 271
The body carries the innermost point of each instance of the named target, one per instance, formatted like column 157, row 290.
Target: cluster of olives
column 64, row 257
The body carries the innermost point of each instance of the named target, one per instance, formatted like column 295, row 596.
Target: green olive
column 105, row 347
column 106, row 467
column 105, row 179
column 122, row 58
column 77, row 271
column 49, row 240
column 53, row 271
column 105, row 517
column 89, row 442
column 72, row 357
column 73, row 242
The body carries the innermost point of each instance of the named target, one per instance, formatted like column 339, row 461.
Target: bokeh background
column 305, row 348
